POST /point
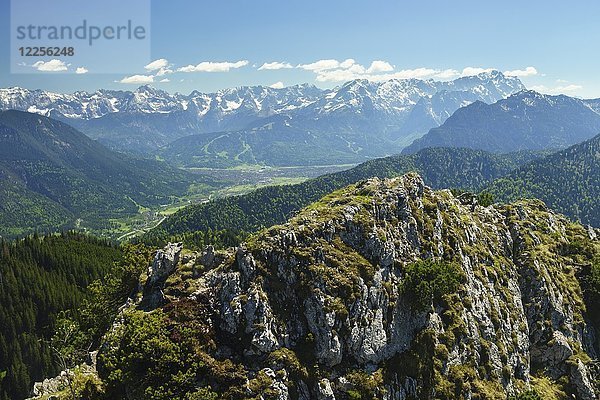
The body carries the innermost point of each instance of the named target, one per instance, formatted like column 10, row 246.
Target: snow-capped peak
column 388, row 99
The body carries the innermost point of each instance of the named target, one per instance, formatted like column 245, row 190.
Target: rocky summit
column 385, row 289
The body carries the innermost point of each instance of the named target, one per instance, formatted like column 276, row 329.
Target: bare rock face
column 581, row 379
column 324, row 390
column 326, row 294
column 164, row 264
column 50, row 388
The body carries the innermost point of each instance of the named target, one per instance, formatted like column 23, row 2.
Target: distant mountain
column 359, row 119
column 432, row 111
column 277, row 143
column 441, row 167
column 568, row 181
column 142, row 120
column 51, row 174
column 524, row 121
column 354, row 122
column 215, row 107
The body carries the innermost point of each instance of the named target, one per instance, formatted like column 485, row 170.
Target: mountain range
column 384, row 281
column 524, row 121
column 356, row 120
column 54, row 175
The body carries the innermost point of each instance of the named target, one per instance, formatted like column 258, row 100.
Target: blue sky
column 208, row 45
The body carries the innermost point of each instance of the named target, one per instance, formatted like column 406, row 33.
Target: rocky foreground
column 385, row 289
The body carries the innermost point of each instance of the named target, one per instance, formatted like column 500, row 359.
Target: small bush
column 528, row 395
column 427, row 281
column 365, row 386
column 485, row 199
column 590, row 284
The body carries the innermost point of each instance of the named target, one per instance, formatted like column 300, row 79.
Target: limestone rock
column 164, row 264
column 324, row 390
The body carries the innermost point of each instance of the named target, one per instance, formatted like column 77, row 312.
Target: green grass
column 243, row 189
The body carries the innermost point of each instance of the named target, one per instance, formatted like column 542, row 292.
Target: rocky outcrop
column 50, row 388
column 164, row 264
column 321, row 308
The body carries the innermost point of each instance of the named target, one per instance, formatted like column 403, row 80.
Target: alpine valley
column 53, row 176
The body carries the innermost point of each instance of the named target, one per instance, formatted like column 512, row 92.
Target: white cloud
column 569, row 88
column 337, row 75
column 347, row 63
column 380, row 66
column 277, row 85
column 352, row 66
column 529, row 71
column 447, row 74
column 50, row 66
column 138, row 79
column 81, row 70
column 357, row 71
column 557, row 89
column 469, row 71
column 157, row 64
column 331, row 70
column 164, row 71
column 275, row 65
column 161, row 66
column 417, row 73
column 324, row 65
column 208, row 66
column 165, row 80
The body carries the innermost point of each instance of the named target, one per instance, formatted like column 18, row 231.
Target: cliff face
column 387, row 289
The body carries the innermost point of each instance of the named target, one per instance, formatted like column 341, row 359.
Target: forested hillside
column 52, row 175
column 39, row 277
column 440, row 168
column 568, row 182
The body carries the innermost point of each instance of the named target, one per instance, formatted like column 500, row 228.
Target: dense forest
column 40, row 277
column 567, row 181
column 440, row 168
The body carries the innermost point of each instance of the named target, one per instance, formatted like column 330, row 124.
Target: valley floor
column 234, row 181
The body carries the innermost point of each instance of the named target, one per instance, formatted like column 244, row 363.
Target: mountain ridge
column 441, row 167
column 526, row 120
column 383, row 289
